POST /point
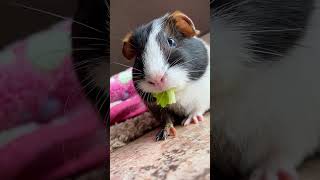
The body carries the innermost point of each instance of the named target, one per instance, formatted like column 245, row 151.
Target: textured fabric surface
column 48, row 130
column 123, row 133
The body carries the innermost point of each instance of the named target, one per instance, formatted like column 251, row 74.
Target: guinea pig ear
column 184, row 24
column 127, row 49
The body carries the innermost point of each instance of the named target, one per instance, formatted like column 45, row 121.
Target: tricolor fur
column 266, row 86
column 184, row 65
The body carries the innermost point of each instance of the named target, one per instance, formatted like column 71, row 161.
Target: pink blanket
column 125, row 102
column 48, row 129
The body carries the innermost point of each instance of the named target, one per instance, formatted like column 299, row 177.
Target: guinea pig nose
column 162, row 79
column 157, row 80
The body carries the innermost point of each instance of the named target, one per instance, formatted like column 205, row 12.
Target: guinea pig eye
column 171, row 42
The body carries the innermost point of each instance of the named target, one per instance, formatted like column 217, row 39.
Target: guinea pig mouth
column 154, row 89
column 157, row 90
column 160, row 90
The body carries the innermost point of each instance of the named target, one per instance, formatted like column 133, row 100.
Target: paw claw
column 162, row 135
column 193, row 119
column 186, row 121
column 200, row 117
column 173, row 131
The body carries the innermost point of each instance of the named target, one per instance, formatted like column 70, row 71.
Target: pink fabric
column 122, row 91
column 121, row 86
column 127, row 109
column 69, row 137
column 55, row 150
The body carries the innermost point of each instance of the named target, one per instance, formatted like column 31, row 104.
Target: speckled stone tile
column 186, row 156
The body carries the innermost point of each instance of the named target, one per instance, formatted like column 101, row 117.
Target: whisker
column 85, row 61
column 265, row 52
column 224, row 7
column 62, row 50
column 82, row 67
column 97, row 44
column 140, row 92
column 176, row 61
column 136, row 78
column 266, row 49
column 221, row 7
column 274, row 30
column 145, row 95
column 233, row 4
column 107, row 116
column 187, row 61
column 126, row 66
column 132, row 45
column 53, row 14
column 89, row 38
column 150, row 96
column 137, row 73
column 196, row 71
column 169, row 54
column 81, row 89
column 87, row 93
column 104, row 101
column 98, row 93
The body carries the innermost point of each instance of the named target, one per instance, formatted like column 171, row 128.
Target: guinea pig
column 168, row 54
column 265, row 59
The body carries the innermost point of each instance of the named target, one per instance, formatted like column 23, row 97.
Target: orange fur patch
column 127, row 49
column 184, row 24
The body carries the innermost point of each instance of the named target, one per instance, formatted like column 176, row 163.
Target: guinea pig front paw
column 278, row 174
column 162, row 135
column 165, row 132
column 194, row 118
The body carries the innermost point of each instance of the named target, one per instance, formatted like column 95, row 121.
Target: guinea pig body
column 266, row 90
column 169, row 55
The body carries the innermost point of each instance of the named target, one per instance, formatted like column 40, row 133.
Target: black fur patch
column 190, row 54
column 140, row 37
column 195, row 57
column 94, row 14
column 274, row 26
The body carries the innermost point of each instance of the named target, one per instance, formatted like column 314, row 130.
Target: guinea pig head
column 158, row 49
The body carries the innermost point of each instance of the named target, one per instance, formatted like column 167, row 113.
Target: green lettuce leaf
column 165, row 98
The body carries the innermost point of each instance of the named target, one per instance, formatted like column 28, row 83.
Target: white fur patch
column 154, row 60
